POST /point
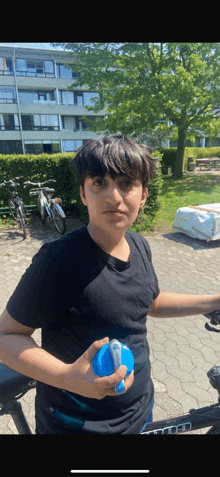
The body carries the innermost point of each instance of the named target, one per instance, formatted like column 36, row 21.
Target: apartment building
column 37, row 112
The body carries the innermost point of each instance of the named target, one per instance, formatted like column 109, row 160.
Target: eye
column 98, row 182
column 127, row 184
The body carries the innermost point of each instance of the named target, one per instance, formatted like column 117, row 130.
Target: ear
column 144, row 198
column 82, row 195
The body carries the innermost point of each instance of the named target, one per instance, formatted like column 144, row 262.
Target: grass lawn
column 191, row 190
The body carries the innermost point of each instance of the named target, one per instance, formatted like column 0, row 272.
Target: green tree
column 173, row 87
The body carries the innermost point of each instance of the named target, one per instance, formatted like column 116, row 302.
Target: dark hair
column 114, row 155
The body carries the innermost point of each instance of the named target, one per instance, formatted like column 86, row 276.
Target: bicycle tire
column 12, row 209
column 21, row 219
column 42, row 210
column 58, row 221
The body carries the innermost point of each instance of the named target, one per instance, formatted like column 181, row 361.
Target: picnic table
column 209, row 163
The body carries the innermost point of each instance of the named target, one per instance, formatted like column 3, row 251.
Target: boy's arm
column 19, row 351
column 170, row 305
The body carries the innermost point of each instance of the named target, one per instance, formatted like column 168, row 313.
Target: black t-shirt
column 77, row 293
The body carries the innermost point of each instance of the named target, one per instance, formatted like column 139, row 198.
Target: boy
column 95, row 284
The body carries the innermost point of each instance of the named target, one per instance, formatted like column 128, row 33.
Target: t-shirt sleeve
column 147, row 257
column 37, row 301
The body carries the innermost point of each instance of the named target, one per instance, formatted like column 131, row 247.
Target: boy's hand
column 81, row 379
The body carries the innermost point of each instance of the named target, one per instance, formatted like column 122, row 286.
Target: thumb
column 94, row 348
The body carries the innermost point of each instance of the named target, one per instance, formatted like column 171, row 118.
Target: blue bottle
column 109, row 358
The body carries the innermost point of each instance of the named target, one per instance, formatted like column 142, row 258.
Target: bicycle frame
column 49, row 204
column 16, row 205
column 43, row 205
column 196, row 419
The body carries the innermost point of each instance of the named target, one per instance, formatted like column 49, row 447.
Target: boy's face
column 113, row 204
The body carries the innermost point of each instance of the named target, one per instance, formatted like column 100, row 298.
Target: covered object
column 202, row 222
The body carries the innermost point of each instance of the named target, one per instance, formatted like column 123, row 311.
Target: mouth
column 113, row 212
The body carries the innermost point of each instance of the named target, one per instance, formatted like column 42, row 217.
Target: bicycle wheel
column 12, row 209
column 41, row 209
column 58, row 221
column 21, row 219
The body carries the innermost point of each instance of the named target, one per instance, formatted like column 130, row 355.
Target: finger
column 127, row 384
column 129, row 381
column 94, row 348
column 112, row 380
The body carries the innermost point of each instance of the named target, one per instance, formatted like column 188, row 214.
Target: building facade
column 37, row 112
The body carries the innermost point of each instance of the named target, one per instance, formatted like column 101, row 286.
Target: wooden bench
column 209, row 163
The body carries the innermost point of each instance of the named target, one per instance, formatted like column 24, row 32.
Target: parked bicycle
column 16, row 205
column 49, row 208
column 14, row 385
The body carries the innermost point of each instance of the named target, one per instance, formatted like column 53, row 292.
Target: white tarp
column 202, row 221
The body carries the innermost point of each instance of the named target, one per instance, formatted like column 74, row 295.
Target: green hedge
column 56, row 166
column 40, row 168
column 169, row 155
column 147, row 216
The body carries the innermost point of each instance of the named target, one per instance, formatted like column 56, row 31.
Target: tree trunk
column 178, row 165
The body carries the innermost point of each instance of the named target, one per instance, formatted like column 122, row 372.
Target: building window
column 36, row 97
column 25, row 67
column 88, row 98
column 9, row 122
column 11, row 147
column 6, row 66
column 71, row 97
column 77, row 98
column 74, row 123
column 40, row 122
column 82, row 125
column 66, row 97
column 70, row 146
column 38, row 147
column 68, row 123
column 64, row 72
column 7, row 94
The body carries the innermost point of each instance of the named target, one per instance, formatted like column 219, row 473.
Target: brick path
column 182, row 351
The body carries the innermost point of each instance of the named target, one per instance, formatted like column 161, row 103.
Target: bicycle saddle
column 47, row 190
column 12, row 383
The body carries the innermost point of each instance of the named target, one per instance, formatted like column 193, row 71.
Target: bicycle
column 16, row 206
column 49, row 208
column 14, row 385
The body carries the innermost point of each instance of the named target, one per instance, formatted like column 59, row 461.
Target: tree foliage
column 173, row 87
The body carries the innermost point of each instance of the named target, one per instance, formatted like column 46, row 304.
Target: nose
column 113, row 195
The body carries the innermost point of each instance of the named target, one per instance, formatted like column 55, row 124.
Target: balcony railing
column 41, row 128
column 9, row 128
column 43, row 102
column 6, row 73
column 8, row 100
column 35, row 74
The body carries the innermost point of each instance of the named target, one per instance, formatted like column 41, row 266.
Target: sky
column 30, row 45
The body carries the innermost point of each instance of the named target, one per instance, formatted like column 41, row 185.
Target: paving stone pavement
column 182, row 350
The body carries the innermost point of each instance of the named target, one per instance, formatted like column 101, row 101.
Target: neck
column 107, row 241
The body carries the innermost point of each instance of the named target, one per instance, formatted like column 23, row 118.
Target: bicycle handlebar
column 39, row 184
column 214, row 317
column 12, row 181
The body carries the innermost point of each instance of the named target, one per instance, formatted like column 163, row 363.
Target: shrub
column 168, row 158
column 39, row 168
column 146, row 217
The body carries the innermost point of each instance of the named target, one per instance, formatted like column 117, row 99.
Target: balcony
column 44, row 102
column 6, row 73
column 41, row 128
